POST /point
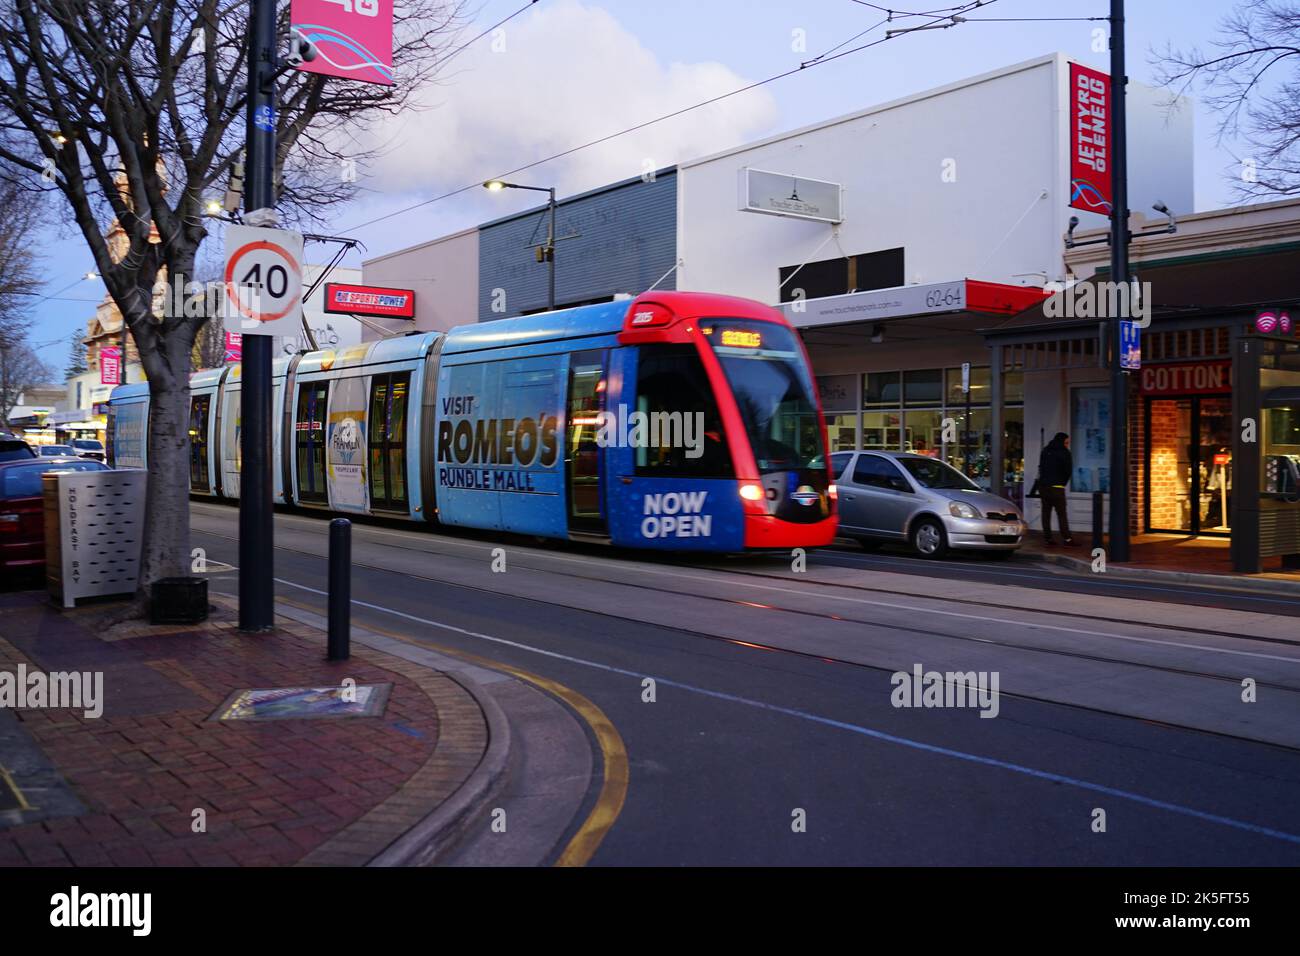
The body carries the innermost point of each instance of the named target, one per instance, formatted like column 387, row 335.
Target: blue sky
column 568, row 71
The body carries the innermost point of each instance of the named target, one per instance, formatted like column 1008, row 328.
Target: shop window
column 882, row 430
column 1013, row 387
column 882, row 389
column 980, row 385
column 842, row 432
column 923, row 387
column 1090, row 439
column 860, row 273
column 923, row 433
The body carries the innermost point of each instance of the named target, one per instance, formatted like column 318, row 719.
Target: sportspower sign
column 372, row 300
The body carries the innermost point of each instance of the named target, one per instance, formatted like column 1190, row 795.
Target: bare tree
column 1251, row 81
column 20, row 279
column 20, row 370
column 133, row 111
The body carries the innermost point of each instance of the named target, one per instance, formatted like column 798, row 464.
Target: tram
column 676, row 421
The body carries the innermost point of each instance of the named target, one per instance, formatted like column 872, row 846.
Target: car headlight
column 959, row 509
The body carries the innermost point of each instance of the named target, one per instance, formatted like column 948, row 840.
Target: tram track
column 794, row 652
column 672, row 567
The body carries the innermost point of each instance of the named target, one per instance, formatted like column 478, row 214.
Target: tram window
column 199, row 406
column 387, row 440
column 310, row 441
column 672, row 384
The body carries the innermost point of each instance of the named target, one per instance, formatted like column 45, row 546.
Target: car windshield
column 768, row 376
column 24, row 481
column 932, row 473
column 88, row 444
column 11, row 449
column 49, row 451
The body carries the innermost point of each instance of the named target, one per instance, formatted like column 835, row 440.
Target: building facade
column 616, row 240
column 443, row 273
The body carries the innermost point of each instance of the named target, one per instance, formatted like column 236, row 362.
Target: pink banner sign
column 353, row 38
column 234, row 346
column 1090, row 139
column 110, row 366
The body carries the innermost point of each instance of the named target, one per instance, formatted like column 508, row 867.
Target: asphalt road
column 772, row 697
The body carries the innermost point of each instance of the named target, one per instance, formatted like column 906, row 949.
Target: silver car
column 887, row 496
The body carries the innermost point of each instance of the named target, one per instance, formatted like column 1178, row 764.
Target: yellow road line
column 613, row 788
column 9, row 782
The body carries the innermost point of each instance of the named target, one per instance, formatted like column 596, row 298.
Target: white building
column 955, row 204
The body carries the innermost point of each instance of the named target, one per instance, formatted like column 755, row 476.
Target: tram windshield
column 765, row 368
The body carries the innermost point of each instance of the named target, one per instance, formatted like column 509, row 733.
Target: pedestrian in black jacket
column 1055, row 468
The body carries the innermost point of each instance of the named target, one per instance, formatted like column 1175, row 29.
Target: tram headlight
column 832, row 492
column 751, row 491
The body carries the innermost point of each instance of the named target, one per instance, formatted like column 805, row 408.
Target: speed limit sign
column 263, row 280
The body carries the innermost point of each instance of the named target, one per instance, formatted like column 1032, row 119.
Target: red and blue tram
column 676, row 421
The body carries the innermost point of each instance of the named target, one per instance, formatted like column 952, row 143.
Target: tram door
column 310, row 442
column 583, row 458
column 200, row 406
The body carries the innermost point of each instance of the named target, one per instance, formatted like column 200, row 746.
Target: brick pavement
column 328, row 791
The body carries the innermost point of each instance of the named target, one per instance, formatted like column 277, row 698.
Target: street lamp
column 547, row 252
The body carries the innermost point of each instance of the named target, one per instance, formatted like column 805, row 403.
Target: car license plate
column 1007, row 529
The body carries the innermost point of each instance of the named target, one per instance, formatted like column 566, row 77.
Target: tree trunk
column 167, row 500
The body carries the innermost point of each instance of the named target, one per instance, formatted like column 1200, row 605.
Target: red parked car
column 22, row 518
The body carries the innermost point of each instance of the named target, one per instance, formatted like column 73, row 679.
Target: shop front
column 1186, row 422
column 909, row 371
column 1213, row 410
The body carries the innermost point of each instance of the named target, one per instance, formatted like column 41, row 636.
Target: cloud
column 566, row 75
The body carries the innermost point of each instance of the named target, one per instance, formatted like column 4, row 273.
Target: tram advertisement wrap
column 129, row 438
column 345, row 444
column 499, row 436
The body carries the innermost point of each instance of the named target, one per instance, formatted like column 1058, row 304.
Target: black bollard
column 1097, row 523
column 340, row 588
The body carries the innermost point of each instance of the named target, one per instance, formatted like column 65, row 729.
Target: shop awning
column 912, row 312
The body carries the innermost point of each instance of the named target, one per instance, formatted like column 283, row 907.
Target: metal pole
column 965, row 441
column 340, row 588
column 1119, row 537
column 1097, row 524
column 126, row 331
column 550, row 253
column 256, row 507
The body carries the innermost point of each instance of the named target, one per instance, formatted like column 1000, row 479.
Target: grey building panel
column 625, row 239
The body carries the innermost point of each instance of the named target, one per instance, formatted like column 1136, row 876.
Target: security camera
column 301, row 50
column 1158, row 206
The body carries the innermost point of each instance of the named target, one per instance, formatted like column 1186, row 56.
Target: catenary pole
column 256, row 511
column 1119, row 273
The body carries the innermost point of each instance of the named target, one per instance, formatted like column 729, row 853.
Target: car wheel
column 929, row 539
